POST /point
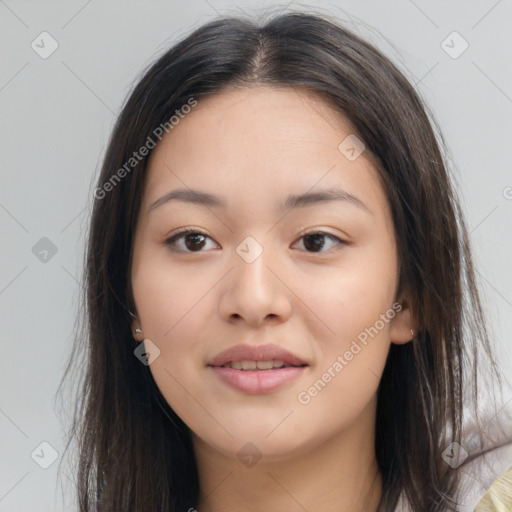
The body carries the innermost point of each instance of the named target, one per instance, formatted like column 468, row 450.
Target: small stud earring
column 412, row 333
column 135, row 331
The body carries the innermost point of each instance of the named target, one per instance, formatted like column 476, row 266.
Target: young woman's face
column 293, row 246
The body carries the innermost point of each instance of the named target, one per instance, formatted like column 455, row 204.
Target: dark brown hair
column 134, row 452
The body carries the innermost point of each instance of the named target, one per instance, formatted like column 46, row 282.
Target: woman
column 282, row 310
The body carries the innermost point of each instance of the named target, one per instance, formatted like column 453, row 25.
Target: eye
column 315, row 241
column 193, row 240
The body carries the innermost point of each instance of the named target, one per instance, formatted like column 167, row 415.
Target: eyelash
column 185, row 231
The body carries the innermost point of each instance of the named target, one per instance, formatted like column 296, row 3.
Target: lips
column 256, row 370
column 244, row 352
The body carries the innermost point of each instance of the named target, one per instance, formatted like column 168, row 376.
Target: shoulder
column 486, row 478
column 485, row 483
column 499, row 496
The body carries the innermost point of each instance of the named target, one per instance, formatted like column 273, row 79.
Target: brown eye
column 315, row 242
column 188, row 240
column 194, row 241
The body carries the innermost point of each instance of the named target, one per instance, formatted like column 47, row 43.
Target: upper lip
column 245, row 352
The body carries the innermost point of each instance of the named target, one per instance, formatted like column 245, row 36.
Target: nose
column 255, row 293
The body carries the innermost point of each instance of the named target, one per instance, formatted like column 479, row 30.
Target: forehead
column 245, row 118
column 259, row 141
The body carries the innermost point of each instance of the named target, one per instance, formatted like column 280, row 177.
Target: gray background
column 57, row 114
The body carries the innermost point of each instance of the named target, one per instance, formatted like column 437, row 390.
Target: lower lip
column 257, row 381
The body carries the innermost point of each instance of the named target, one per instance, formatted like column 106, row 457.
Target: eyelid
column 343, row 238
column 184, row 231
column 318, row 230
column 305, row 232
column 190, row 229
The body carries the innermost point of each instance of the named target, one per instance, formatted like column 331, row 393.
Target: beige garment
column 499, row 496
column 478, row 481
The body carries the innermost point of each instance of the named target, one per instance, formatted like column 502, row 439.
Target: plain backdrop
column 56, row 116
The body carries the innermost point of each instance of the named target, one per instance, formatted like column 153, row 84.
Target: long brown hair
column 134, row 452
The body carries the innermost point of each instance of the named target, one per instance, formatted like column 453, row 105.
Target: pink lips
column 257, row 381
column 255, row 353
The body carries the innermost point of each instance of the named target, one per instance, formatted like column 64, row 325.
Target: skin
column 253, row 147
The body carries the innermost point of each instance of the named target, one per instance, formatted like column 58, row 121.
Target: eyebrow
column 202, row 198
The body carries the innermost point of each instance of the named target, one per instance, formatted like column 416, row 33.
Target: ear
column 137, row 333
column 403, row 328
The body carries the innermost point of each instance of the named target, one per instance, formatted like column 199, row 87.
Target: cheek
column 175, row 308
column 349, row 298
column 350, row 362
column 355, row 306
column 358, row 336
column 168, row 298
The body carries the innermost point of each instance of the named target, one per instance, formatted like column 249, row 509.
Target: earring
column 135, row 331
column 412, row 333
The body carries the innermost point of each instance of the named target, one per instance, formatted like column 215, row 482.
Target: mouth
column 256, row 369
column 256, row 357
column 271, row 364
column 257, row 381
